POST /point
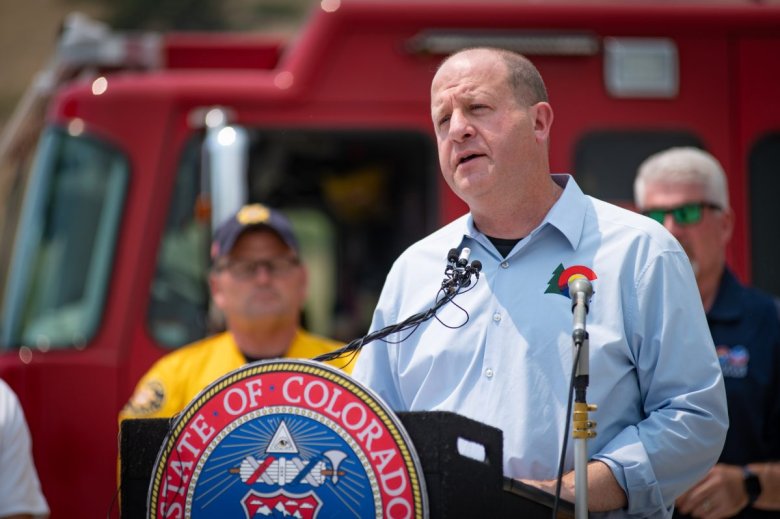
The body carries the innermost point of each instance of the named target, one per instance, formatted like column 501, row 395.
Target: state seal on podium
column 287, row 438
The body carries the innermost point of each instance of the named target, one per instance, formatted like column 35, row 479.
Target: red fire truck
column 107, row 207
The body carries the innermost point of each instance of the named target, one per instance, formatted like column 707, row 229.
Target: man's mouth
column 468, row 158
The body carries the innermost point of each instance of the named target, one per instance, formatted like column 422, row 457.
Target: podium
column 458, row 485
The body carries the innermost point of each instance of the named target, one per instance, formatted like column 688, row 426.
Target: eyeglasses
column 687, row 214
column 247, row 269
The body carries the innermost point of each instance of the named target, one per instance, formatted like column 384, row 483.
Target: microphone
column 464, row 271
column 463, row 260
column 458, row 272
column 580, row 291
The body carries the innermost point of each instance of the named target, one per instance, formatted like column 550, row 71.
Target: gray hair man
column 685, row 190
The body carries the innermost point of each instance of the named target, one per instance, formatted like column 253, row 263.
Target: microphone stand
column 582, row 428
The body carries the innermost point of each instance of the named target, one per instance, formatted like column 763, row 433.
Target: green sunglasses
column 687, row 214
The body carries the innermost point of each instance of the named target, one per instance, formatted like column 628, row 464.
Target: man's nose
column 262, row 273
column 672, row 226
column 460, row 126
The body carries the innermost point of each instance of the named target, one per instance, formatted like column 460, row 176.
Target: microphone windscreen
column 580, row 284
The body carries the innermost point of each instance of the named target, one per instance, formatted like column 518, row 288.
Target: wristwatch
column 752, row 485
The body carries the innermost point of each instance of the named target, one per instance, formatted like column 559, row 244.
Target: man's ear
column 542, row 114
column 727, row 223
column 304, row 282
column 216, row 293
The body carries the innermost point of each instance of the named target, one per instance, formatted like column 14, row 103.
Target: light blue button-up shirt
column 654, row 374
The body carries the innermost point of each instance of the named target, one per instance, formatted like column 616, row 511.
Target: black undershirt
column 504, row 246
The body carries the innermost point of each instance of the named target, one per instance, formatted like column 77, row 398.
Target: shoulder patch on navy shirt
column 733, row 360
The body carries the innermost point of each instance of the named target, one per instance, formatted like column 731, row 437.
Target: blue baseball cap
column 250, row 217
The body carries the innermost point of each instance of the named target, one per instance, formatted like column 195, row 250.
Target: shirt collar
column 567, row 214
column 727, row 302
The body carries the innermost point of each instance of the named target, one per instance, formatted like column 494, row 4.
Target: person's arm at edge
column 26, row 499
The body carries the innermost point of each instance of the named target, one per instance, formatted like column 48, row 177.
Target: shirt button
column 489, row 373
column 496, row 317
column 505, row 265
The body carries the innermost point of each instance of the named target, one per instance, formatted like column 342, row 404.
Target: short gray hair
column 684, row 165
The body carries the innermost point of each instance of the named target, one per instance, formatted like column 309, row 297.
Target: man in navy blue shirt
column 685, row 190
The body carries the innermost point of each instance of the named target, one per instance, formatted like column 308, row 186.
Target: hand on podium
column 604, row 492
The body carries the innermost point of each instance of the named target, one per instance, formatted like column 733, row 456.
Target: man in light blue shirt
column 653, row 371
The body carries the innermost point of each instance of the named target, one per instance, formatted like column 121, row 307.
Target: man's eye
column 444, row 120
column 246, row 267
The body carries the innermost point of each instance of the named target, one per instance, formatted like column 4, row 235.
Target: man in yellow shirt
column 259, row 284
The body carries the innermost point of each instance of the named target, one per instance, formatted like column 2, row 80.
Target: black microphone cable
column 458, row 277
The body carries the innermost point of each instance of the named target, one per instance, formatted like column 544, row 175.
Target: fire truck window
column 605, row 162
column 764, row 173
column 178, row 302
column 63, row 254
column 356, row 199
